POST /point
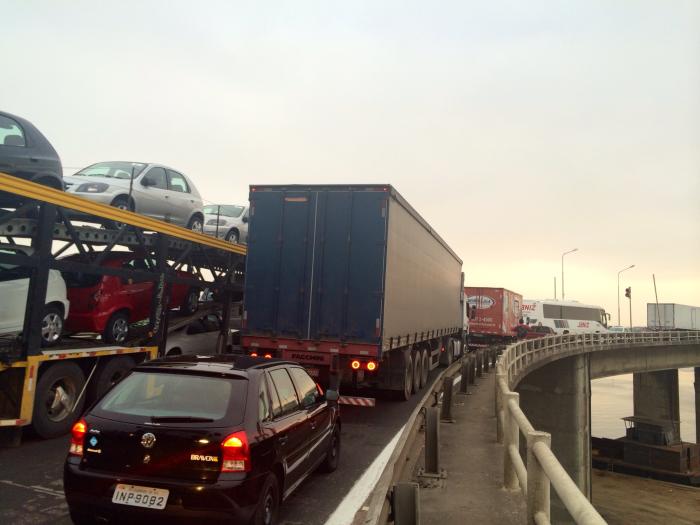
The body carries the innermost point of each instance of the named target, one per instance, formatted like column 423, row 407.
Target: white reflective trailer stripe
column 357, row 401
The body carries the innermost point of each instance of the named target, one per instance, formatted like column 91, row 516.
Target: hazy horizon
column 518, row 131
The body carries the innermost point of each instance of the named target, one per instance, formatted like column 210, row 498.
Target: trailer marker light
column 268, row 356
column 253, row 354
column 355, row 364
column 371, row 366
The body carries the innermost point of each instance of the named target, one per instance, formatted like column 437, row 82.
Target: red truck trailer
column 493, row 315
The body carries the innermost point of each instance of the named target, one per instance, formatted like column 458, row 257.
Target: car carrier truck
column 353, row 283
column 48, row 387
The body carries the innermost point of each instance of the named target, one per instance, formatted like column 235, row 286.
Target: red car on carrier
column 108, row 304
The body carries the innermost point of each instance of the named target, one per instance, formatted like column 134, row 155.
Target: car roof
column 233, row 365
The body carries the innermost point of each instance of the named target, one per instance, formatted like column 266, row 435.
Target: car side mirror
column 147, row 182
column 309, row 400
column 332, row 395
column 244, row 220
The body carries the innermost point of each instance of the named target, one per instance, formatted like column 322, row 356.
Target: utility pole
column 562, row 271
column 555, row 287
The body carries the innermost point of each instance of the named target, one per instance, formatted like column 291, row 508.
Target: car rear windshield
column 175, row 398
column 81, row 280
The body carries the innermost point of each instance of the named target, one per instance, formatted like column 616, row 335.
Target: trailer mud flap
column 357, row 401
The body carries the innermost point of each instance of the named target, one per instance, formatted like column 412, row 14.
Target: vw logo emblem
column 148, row 440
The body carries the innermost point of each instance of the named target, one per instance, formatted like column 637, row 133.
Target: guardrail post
column 464, row 371
column 446, row 408
column 538, row 484
column 487, row 359
column 494, row 357
column 479, row 362
column 499, row 406
column 405, row 504
column 511, row 434
column 432, row 441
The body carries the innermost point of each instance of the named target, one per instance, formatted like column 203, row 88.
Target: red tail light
column 268, row 356
column 355, row 364
column 253, row 354
column 371, row 366
column 235, row 452
column 77, row 435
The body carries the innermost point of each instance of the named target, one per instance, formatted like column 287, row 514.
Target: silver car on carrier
column 157, row 191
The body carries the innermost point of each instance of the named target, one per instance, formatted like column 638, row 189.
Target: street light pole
column 562, row 270
column 618, row 292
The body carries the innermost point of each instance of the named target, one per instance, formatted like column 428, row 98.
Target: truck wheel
column 417, row 370
column 56, row 394
column 447, row 355
column 426, row 368
column 117, row 329
column 108, row 374
column 405, row 394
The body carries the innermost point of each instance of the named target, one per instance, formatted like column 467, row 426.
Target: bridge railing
column 543, row 469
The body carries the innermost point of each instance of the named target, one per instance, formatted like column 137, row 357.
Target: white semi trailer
column 672, row 316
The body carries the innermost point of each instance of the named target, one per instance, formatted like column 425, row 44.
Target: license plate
column 313, row 372
column 136, row 496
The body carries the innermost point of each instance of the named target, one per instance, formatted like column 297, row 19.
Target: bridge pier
column 656, row 397
column 557, row 399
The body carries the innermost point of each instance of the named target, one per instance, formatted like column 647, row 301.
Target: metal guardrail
column 543, row 468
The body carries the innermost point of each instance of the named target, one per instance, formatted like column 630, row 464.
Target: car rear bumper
column 90, row 494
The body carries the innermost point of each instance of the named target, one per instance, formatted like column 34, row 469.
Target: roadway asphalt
column 31, row 476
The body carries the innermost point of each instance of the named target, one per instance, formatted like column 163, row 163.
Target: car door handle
column 283, row 440
column 33, row 159
column 313, row 425
column 166, row 196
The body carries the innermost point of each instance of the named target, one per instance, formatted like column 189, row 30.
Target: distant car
column 227, row 221
column 197, row 338
column 197, row 439
column 27, row 154
column 14, row 287
column 157, row 191
column 107, row 304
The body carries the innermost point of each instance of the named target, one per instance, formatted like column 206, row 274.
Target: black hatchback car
column 27, row 154
column 196, row 438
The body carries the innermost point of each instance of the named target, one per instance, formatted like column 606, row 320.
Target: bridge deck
column 472, row 492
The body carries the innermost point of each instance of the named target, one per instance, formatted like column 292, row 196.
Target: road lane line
column 34, row 488
column 353, row 501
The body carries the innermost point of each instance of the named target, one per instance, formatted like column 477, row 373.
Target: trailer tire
column 57, row 390
column 417, row 370
column 405, row 393
column 108, row 374
column 425, row 359
column 447, row 355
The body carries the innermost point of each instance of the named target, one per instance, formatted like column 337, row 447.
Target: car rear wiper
column 180, row 419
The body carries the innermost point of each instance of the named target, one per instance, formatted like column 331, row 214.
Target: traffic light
column 628, row 292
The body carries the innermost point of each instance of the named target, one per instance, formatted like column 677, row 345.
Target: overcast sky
column 519, row 130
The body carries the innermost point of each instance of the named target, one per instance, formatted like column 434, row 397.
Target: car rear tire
column 330, row 464
column 266, row 512
column 108, row 374
column 232, row 236
column 190, row 304
column 117, row 329
column 55, row 408
column 405, row 394
column 51, row 326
